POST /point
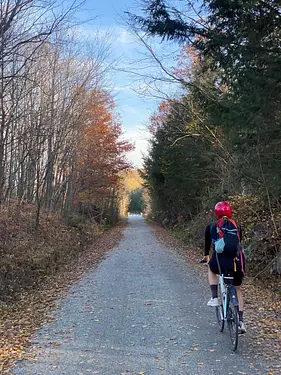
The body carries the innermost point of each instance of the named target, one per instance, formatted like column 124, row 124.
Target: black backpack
column 228, row 242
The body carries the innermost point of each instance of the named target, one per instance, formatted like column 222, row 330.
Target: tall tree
column 240, row 43
column 180, row 167
column 24, row 27
column 101, row 155
column 137, row 203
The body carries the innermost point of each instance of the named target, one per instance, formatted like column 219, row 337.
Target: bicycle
column 227, row 311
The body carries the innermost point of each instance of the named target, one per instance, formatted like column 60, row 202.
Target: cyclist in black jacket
column 223, row 209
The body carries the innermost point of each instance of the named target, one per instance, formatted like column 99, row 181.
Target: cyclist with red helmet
column 223, row 211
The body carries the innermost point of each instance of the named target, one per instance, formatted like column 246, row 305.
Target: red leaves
column 158, row 117
column 187, row 59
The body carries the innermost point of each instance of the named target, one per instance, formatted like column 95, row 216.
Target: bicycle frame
column 227, row 311
column 228, row 292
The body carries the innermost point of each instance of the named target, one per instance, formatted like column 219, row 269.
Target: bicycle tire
column 219, row 315
column 233, row 324
column 219, row 312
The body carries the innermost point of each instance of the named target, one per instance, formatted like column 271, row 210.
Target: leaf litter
column 20, row 319
column 262, row 306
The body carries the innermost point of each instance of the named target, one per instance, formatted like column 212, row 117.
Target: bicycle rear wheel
column 219, row 312
column 233, row 323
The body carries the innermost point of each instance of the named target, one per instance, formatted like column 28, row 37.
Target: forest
column 219, row 138
column 67, row 183
column 62, row 150
column 64, row 171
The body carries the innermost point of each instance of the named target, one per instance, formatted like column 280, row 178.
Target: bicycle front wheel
column 233, row 323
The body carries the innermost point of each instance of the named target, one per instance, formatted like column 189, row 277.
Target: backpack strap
column 219, row 227
column 242, row 262
column 236, row 226
column 220, row 223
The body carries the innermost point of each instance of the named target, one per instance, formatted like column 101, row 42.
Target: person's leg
column 240, row 300
column 240, row 306
column 213, row 282
column 238, row 282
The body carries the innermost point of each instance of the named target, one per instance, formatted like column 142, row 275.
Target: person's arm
column 208, row 243
column 208, row 240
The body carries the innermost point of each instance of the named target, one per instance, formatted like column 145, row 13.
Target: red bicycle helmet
column 223, row 209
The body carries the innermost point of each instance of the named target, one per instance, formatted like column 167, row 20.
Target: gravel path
column 141, row 311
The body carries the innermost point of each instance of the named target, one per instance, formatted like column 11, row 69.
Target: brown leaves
column 262, row 306
column 260, row 232
column 20, row 319
column 263, row 314
column 28, row 257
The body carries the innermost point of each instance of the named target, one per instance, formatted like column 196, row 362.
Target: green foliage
column 160, row 22
column 222, row 138
column 137, row 203
column 238, row 46
column 244, row 42
column 179, row 167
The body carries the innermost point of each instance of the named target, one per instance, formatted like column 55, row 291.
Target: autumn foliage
column 101, row 152
column 158, row 117
column 187, row 59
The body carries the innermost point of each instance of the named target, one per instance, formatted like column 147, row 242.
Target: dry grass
column 27, row 256
column 44, row 265
column 261, row 233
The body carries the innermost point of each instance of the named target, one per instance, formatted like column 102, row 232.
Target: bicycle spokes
column 232, row 320
column 220, row 318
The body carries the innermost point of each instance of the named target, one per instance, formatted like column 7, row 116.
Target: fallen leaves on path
column 22, row 318
column 262, row 305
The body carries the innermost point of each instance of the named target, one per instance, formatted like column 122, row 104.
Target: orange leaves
column 100, row 153
column 187, row 59
column 158, row 117
column 132, row 180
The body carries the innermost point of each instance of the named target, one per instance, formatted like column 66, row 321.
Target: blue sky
column 134, row 109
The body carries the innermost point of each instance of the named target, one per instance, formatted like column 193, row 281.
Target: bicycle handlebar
column 203, row 261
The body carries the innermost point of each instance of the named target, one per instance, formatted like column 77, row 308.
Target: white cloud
column 123, row 88
column 116, row 33
column 129, row 109
column 123, row 36
column 140, row 138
